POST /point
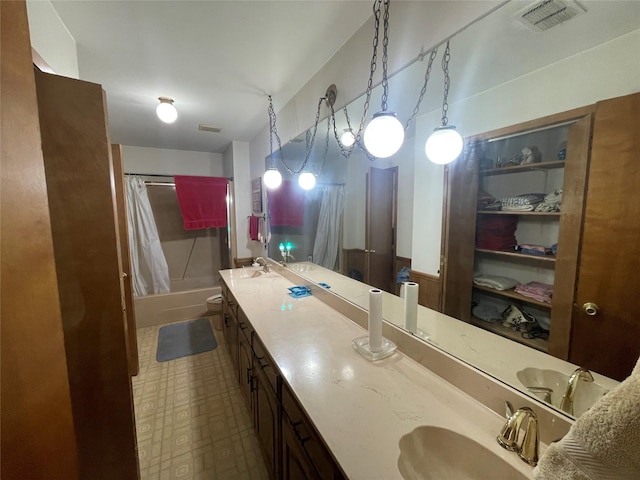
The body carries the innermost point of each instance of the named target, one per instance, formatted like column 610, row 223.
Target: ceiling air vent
column 543, row 15
column 209, row 128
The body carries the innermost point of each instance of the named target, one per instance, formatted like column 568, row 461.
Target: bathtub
column 172, row 307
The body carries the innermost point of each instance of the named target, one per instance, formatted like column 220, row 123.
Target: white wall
column 355, row 201
column 609, row 70
column 172, row 162
column 413, row 25
column 242, row 197
column 51, row 39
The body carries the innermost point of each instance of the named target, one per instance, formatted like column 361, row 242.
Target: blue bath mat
column 185, row 338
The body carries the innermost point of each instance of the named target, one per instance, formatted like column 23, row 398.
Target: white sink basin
column 440, row 454
column 301, row 267
column 245, row 273
column 587, row 393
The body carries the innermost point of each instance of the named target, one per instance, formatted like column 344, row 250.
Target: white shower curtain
column 325, row 247
column 148, row 264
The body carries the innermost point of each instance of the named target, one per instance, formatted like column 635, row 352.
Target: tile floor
column 191, row 420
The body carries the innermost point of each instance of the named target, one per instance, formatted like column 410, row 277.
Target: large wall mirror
column 394, row 210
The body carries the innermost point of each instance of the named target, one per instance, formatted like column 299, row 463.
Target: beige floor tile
column 192, row 422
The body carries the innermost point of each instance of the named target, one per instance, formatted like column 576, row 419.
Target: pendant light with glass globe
column 445, row 143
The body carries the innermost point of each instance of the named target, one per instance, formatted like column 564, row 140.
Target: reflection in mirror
column 503, row 75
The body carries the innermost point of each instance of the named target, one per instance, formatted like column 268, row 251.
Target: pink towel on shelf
column 286, row 205
column 203, row 201
column 253, row 227
column 538, row 291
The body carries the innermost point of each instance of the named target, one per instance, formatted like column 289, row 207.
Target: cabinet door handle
column 591, row 309
column 249, row 375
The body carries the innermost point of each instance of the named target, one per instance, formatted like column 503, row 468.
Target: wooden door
column 37, row 432
column 123, row 233
column 380, row 249
column 609, row 342
column 79, row 172
column 459, row 231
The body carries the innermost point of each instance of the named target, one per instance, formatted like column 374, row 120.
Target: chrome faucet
column 566, row 404
column 508, row 438
column 265, row 265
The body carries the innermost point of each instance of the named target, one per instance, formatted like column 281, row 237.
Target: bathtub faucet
column 263, row 262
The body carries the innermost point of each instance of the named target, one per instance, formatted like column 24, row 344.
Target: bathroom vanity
column 321, row 410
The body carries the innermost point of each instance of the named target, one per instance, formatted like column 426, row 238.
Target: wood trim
column 398, row 264
column 549, row 120
column 459, row 239
column 39, row 62
column 79, row 171
column 430, row 289
column 574, row 191
column 242, row 262
column 37, row 432
column 354, row 259
column 123, row 234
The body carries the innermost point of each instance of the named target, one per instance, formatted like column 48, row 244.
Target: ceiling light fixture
column 384, row 135
column 272, row 178
column 347, row 138
column 307, row 180
column 445, row 144
column 166, row 111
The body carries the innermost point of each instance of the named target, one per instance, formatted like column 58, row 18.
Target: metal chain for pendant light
column 385, row 56
column 423, row 90
column 445, row 69
column 346, row 151
column 326, row 149
column 274, row 132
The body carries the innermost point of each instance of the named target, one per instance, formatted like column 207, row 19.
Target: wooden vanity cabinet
column 304, row 455
column 245, row 360
column 230, row 325
column 292, row 448
column 267, row 407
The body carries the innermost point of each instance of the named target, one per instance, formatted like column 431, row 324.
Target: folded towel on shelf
column 522, row 203
column 542, row 292
column 604, row 443
column 496, row 232
column 551, row 202
column 540, row 250
column 299, row 291
column 487, row 311
column 495, row 281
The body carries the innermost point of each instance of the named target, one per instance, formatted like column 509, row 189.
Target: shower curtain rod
column 162, row 175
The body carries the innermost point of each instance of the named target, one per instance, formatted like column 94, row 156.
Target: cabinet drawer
column 307, row 437
column 244, row 327
column 265, row 363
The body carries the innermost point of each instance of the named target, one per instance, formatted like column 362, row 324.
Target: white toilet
column 214, row 310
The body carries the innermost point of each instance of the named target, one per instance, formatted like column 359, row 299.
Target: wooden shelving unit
column 519, row 256
column 520, row 214
column 498, row 328
column 523, row 168
column 513, row 295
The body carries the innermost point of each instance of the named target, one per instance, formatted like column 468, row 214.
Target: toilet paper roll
column 375, row 320
column 411, row 306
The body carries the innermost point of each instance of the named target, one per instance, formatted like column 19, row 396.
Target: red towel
column 253, row 227
column 203, row 201
column 286, row 205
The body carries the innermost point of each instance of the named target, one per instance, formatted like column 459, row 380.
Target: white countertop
column 495, row 355
column 360, row 408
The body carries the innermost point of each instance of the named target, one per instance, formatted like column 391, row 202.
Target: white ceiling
column 217, row 59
